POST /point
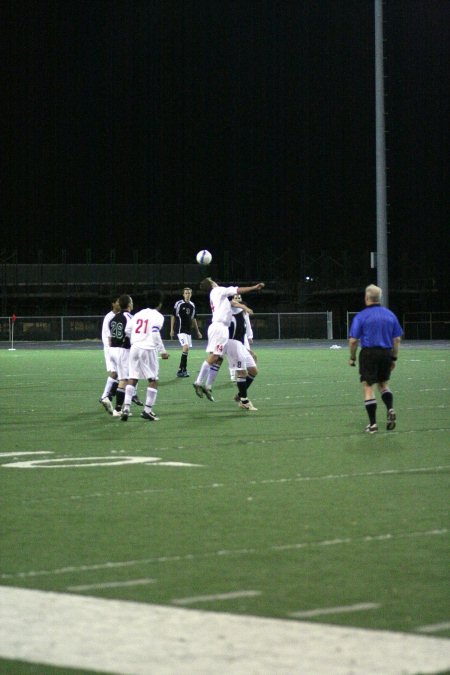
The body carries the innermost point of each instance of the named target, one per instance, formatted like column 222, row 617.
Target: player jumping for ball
column 217, row 332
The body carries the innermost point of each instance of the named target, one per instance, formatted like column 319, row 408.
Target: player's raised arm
column 249, row 289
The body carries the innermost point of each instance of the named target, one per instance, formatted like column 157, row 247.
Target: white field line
column 218, row 596
column 265, row 481
column 359, row 607
column 74, row 569
column 112, row 584
column 434, row 627
column 129, row 638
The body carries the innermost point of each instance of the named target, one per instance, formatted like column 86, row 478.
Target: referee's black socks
column 371, row 407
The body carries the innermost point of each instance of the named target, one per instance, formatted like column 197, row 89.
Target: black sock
column 113, row 389
column 371, row 407
column 249, row 380
column 242, row 388
column 183, row 361
column 388, row 399
column 120, row 397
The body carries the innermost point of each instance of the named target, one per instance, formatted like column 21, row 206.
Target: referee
column 380, row 332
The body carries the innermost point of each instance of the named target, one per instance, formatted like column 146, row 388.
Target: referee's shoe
column 391, row 419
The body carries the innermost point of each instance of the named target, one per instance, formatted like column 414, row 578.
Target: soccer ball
column 204, row 257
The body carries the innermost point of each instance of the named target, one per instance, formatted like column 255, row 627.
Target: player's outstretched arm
column 249, row 289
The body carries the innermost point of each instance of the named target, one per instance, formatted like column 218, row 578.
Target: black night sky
column 158, row 127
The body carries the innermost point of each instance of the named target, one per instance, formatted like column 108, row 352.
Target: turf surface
column 293, row 503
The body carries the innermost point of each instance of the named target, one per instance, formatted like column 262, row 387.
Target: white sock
column 109, row 383
column 204, row 370
column 150, row 399
column 129, row 393
column 213, row 372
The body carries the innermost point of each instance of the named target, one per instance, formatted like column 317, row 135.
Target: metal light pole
column 380, row 141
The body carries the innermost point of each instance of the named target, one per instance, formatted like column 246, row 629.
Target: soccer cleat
column 106, row 403
column 198, row 389
column 117, row 413
column 125, row 414
column 180, row 373
column 185, row 373
column 371, row 429
column 208, row 393
column 391, row 419
column 248, row 405
column 137, row 400
column 150, row 416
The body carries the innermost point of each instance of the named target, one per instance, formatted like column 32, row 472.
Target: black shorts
column 375, row 364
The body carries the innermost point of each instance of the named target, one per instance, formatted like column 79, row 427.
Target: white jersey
column 144, row 329
column 220, row 305
column 105, row 328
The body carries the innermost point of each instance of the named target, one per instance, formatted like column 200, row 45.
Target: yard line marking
column 359, row 607
column 434, row 627
column 265, row 481
column 112, row 584
column 218, row 596
column 23, row 452
column 71, row 569
column 97, row 634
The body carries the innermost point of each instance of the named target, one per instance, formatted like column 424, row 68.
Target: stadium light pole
column 380, row 143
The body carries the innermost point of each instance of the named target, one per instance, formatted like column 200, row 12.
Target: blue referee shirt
column 376, row 326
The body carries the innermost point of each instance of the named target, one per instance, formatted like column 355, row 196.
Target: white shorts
column 109, row 366
column 184, row 339
column 120, row 358
column 143, row 364
column 239, row 358
column 217, row 338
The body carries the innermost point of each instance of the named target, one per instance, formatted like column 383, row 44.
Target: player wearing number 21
column 146, row 342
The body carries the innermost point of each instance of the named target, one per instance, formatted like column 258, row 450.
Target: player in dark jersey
column 120, row 348
column 182, row 322
column 240, row 359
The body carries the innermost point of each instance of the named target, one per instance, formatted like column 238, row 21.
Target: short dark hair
column 206, row 284
column 124, row 301
column 154, row 299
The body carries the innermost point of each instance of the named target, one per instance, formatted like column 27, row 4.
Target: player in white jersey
column 111, row 381
column 146, row 343
column 217, row 331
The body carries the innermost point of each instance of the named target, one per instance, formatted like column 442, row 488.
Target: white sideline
column 139, row 639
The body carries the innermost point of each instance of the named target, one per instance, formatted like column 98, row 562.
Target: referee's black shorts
column 375, row 364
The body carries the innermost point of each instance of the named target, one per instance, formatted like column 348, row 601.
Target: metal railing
column 270, row 326
column 420, row 325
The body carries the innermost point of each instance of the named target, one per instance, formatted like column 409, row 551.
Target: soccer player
column 217, row 332
column 111, row 381
column 248, row 332
column 145, row 338
column 380, row 333
column 183, row 320
column 240, row 359
column 120, row 348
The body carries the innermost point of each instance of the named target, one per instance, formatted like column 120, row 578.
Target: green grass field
column 288, row 512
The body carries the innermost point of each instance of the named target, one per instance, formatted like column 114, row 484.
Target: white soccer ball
column 204, row 257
